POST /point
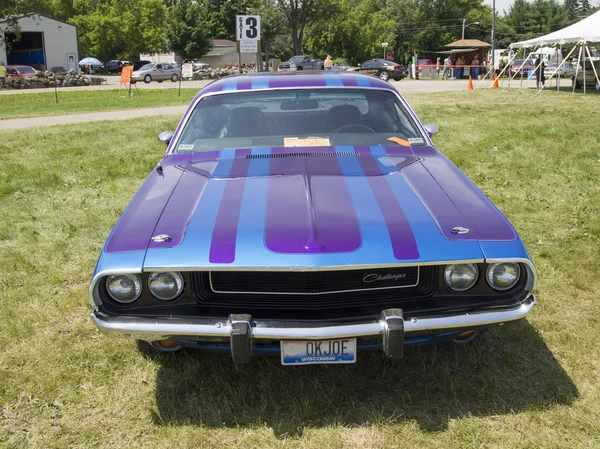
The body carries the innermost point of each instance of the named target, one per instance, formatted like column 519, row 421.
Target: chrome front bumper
column 241, row 329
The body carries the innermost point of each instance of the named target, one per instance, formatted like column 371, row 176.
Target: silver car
column 156, row 71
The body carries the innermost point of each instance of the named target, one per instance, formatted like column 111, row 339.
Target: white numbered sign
column 248, row 28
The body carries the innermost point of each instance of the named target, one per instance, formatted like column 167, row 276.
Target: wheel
column 159, row 81
column 384, row 75
column 174, row 77
column 299, row 68
column 147, row 79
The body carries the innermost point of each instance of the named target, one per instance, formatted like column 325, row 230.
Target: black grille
column 318, row 282
column 313, row 290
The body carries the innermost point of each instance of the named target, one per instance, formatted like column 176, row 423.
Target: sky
column 501, row 5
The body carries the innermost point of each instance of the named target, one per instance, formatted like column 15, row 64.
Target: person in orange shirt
column 459, row 68
column 475, row 68
column 328, row 63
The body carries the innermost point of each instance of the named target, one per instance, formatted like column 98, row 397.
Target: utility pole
column 463, row 31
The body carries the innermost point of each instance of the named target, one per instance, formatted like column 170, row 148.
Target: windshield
column 147, row 67
column 298, row 118
column 26, row 70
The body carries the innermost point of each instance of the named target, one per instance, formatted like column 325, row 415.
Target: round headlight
column 503, row 276
column 124, row 288
column 461, row 277
column 166, row 286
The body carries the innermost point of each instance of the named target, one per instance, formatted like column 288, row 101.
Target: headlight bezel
column 179, row 279
column 135, row 278
column 465, row 289
column 491, row 266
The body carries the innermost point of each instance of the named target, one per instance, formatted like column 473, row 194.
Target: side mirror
column 431, row 129
column 165, row 137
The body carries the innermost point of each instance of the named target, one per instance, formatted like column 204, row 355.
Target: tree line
column 352, row 30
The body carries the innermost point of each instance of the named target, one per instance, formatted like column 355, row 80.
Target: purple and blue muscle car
column 307, row 215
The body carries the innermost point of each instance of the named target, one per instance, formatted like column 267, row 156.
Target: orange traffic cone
column 496, row 82
column 470, row 85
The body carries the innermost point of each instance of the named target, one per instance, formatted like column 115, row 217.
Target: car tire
column 147, row 79
column 174, row 78
column 383, row 75
column 299, row 68
column 159, row 81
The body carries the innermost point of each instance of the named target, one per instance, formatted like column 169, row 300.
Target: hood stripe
column 431, row 243
column 309, row 209
column 399, row 229
column 222, row 248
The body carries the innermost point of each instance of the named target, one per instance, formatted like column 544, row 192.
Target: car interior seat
column 343, row 115
column 245, row 121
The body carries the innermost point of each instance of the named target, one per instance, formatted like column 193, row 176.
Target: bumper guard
column 241, row 329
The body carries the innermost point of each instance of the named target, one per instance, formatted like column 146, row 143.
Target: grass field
column 77, row 101
column 533, row 384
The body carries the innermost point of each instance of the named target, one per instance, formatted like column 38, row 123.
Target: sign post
column 384, row 45
column 247, row 36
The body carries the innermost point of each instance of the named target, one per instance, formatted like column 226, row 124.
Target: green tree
column 218, row 16
column 186, row 33
column 120, row 28
column 297, row 13
column 272, row 25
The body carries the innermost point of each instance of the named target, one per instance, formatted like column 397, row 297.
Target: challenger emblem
column 374, row 277
column 161, row 238
column 459, row 230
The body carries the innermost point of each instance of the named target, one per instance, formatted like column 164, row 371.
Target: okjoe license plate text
column 341, row 350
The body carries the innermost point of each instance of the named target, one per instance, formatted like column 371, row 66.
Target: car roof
column 290, row 80
column 18, row 66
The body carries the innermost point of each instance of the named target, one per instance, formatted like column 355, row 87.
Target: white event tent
column 578, row 35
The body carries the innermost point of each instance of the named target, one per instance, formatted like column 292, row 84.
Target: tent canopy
column 587, row 30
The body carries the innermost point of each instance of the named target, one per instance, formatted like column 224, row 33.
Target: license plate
column 311, row 352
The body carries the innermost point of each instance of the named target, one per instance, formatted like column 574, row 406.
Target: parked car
column 341, row 66
column 383, row 69
column 114, row 66
column 364, row 237
column 520, row 68
column 424, row 62
column 200, row 64
column 590, row 76
column 307, row 63
column 22, row 71
column 565, row 71
column 139, row 64
column 156, row 72
column 286, row 66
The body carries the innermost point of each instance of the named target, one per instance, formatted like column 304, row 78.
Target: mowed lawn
column 78, row 101
column 532, row 384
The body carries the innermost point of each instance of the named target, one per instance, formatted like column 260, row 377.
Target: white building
column 223, row 52
column 45, row 44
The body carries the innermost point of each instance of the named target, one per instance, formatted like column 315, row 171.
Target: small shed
column 468, row 49
column 45, row 43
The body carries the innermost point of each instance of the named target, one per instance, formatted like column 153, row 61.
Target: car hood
column 308, row 207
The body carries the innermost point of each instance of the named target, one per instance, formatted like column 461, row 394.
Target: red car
column 23, row 71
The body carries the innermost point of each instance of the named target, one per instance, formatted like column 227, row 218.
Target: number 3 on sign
column 248, row 28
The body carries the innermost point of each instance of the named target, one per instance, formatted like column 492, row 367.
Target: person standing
column 3, row 73
column 438, row 67
column 539, row 72
column 475, row 68
column 447, row 68
column 459, row 68
column 328, row 63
